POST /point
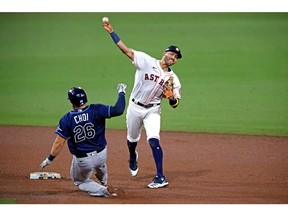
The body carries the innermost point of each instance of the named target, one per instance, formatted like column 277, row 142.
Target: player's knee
column 154, row 143
column 131, row 144
column 133, row 139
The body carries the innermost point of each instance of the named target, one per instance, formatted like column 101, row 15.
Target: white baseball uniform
column 144, row 104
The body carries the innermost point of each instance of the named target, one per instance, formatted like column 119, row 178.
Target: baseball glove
column 168, row 88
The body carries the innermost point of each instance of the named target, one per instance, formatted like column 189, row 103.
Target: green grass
column 234, row 71
column 8, row 201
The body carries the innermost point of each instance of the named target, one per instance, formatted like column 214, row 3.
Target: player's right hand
column 121, row 88
column 107, row 26
column 45, row 163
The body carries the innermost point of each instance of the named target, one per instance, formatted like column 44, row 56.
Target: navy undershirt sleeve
column 119, row 107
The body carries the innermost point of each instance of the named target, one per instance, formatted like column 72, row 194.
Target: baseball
column 105, row 19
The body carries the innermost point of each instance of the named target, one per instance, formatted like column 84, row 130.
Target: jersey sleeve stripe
column 109, row 112
column 64, row 137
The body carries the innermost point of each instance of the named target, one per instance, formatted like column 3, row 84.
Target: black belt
column 145, row 106
column 82, row 154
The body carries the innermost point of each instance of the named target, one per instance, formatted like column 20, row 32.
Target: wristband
column 115, row 37
column 51, row 157
column 174, row 102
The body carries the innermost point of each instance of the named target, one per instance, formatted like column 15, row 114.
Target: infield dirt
column 201, row 169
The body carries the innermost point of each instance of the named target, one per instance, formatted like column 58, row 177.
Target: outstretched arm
column 119, row 107
column 57, row 145
column 55, row 150
column 127, row 51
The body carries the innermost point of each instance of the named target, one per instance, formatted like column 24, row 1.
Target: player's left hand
column 45, row 163
column 121, row 88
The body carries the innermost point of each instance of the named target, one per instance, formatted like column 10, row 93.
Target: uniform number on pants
column 84, row 132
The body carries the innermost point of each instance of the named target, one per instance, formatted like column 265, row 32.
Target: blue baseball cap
column 174, row 49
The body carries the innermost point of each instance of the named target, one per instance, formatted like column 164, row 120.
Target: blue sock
column 158, row 155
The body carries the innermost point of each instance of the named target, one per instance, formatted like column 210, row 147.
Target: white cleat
column 158, row 182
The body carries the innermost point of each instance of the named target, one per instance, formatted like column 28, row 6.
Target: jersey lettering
column 81, row 118
column 161, row 82
column 153, row 77
column 156, row 78
column 84, row 132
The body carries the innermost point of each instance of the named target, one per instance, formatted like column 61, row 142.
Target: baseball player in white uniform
column 144, row 103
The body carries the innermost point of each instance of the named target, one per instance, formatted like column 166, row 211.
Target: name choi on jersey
column 81, row 118
column 154, row 78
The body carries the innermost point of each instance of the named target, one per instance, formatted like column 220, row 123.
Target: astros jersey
column 150, row 78
column 84, row 129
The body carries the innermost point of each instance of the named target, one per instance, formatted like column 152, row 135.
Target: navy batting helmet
column 77, row 96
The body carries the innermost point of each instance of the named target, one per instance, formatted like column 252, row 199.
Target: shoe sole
column 133, row 173
column 157, row 185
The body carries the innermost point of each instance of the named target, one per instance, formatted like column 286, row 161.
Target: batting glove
column 121, row 88
column 45, row 163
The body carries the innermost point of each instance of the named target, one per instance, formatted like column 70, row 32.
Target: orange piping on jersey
column 149, row 98
column 160, row 69
column 159, row 86
column 154, row 93
column 146, row 100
